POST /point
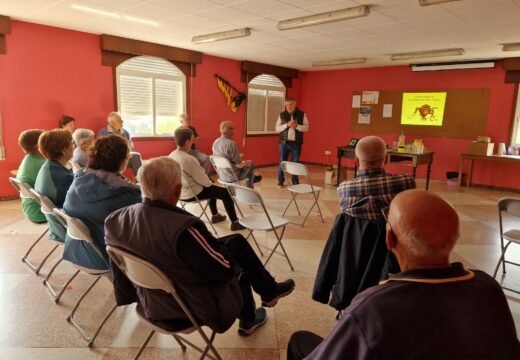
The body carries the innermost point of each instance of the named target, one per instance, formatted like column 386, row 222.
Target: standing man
column 291, row 125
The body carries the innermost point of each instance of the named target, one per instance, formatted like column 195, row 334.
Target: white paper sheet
column 387, row 110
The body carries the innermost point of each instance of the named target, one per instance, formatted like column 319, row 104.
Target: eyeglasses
column 73, row 145
column 385, row 212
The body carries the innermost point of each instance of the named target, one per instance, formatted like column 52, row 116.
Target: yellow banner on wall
column 423, row 108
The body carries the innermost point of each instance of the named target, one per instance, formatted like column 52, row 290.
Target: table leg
column 461, row 168
column 470, row 173
column 414, row 171
column 428, row 171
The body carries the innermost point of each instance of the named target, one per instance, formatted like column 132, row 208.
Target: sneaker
column 218, row 218
column 282, row 289
column 235, row 226
column 246, row 328
column 280, row 184
column 257, row 178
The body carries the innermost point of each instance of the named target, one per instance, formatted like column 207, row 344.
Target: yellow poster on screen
column 423, row 108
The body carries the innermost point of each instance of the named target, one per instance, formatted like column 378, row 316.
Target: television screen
column 425, row 109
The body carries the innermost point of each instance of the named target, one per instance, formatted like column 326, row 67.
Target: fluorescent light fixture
column 511, row 47
column 464, row 65
column 339, row 62
column 433, row 2
column 95, row 11
column 323, row 18
column 224, row 35
column 140, row 21
column 427, row 54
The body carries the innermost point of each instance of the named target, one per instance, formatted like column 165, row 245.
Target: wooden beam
column 3, row 49
column 512, row 77
column 137, row 47
column 5, row 24
column 259, row 68
column 512, row 63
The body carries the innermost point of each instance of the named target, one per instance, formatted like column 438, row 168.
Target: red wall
column 327, row 99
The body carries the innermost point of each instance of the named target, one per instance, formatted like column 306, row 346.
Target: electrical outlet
column 327, row 152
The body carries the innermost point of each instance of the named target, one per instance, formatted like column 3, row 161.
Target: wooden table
column 405, row 159
column 471, row 157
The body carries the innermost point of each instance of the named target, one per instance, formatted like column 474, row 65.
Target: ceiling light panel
column 223, row 35
column 511, row 47
column 434, row 2
column 323, row 18
column 95, row 11
column 337, row 62
column 427, row 54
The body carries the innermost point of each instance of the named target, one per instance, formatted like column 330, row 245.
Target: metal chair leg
column 256, row 242
column 290, row 202
column 207, row 217
column 36, row 268
column 178, row 339
column 502, row 260
column 141, row 349
column 56, row 296
column 279, row 243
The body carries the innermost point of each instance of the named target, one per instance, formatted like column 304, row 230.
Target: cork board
column 465, row 115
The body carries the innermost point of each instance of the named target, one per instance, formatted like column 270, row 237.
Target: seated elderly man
column 83, row 138
column 226, row 147
column 372, row 189
column 115, row 127
column 430, row 310
column 214, row 276
column 201, row 157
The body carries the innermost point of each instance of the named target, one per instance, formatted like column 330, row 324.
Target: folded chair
column 77, row 230
column 293, row 168
column 25, row 193
column 198, row 202
column 47, row 207
column 260, row 221
column 512, row 207
column 146, row 275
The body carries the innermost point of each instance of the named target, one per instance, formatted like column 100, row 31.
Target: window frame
column 514, row 138
column 282, row 88
column 145, row 74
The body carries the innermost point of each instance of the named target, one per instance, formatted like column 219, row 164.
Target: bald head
column 426, row 227
column 371, row 152
column 226, row 127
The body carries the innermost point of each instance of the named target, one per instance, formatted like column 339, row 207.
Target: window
column 151, row 94
column 265, row 101
column 515, row 136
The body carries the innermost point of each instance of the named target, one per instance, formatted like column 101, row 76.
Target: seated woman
column 28, row 170
column 54, row 178
column 68, row 123
column 83, row 139
column 199, row 155
column 195, row 182
column 96, row 192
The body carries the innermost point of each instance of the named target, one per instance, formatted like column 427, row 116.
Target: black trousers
column 253, row 275
column 301, row 344
column 212, row 193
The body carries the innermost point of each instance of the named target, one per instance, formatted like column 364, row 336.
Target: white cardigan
column 193, row 174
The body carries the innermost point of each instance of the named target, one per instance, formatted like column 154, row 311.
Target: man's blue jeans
column 294, row 149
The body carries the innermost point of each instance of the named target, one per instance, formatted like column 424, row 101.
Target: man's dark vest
column 285, row 117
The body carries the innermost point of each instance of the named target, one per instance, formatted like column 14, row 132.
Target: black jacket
column 354, row 259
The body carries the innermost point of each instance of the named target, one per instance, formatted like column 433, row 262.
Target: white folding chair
column 144, row 274
column 47, row 207
column 25, row 193
column 293, row 168
column 199, row 202
column 221, row 163
column 75, row 166
column 260, row 221
column 512, row 207
column 77, row 230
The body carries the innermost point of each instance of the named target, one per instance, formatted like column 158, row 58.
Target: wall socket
column 327, row 152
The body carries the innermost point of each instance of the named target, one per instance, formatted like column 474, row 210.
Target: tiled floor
column 32, row 326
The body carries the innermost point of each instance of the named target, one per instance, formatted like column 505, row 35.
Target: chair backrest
column 222, row 163
column 75, row 166
column 295, row 168
column 511, row 205
column 23, row 188
column 47, row 206
column 245, row 195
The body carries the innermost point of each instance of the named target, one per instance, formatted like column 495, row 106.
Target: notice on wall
column 356, row 101
column 364, row 115
column 387, row 110
column 370, row 98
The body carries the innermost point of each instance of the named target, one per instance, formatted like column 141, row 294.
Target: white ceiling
column 393, row 26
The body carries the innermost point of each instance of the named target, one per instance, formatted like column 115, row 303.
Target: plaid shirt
column 371, row 191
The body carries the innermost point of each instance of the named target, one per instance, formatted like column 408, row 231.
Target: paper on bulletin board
column 370, row 97
column 364, row 115
column 387, row 110
column 356, row 101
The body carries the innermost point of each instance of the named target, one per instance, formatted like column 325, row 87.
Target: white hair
column 112, row 116
column 82, row 135
column 159, row 177
column 184, row 116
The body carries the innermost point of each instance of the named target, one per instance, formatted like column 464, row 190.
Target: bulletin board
column 465, row 115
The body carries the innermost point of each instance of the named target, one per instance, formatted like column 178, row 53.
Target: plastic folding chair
column 25, row 193
column 199, row 202
column 512, row 207
column 144, row 274
column 260, row 221
column 221, row 163
column 47, row 207
column 293, row 168
column 75, row 166
column 77, row 230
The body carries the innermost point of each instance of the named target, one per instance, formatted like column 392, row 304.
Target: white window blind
column 151, row 96
column 515, row 136
column 265, row 101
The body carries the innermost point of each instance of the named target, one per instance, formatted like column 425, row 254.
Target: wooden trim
column 261, row 135
column 260, row 68
column 3, row 49
column 248, row 76
column 512, row 77
column 137, row 47
column 512, row 122
column 5, row 24
column 512, row 63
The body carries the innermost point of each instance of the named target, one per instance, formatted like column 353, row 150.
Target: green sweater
column 27, row 173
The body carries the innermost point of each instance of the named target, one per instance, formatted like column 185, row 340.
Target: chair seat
column 512, row 235
column 91, row 271
column 303, row 188
column 181, row 326
column 261, row 222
